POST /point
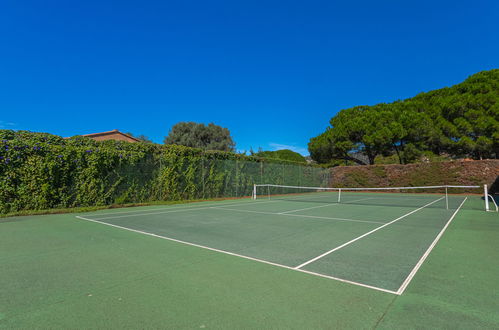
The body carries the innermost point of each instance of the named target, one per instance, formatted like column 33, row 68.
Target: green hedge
column 43, row 171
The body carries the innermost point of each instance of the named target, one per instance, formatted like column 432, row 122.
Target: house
column 112, row 135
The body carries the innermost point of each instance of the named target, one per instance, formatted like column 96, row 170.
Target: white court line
column 425, row 255
column 364, row 235
column 181, row 206
column 295, row 215
column 183, row 209
column 240, row 256
column 384, row 197
column 298, row 198
column 316, row 207
column 309, row 208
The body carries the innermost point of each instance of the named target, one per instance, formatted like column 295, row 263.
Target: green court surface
column 371, row 261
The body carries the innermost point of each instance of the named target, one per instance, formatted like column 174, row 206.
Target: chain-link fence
column 198, row 178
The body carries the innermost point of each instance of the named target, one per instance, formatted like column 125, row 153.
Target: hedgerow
column 42, row 171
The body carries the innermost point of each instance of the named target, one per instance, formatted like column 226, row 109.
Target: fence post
column 446, row 199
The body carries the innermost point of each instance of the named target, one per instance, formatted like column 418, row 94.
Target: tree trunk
column 370, row 155
column 398, row 153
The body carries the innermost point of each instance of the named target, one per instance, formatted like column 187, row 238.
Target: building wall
column 112, row 136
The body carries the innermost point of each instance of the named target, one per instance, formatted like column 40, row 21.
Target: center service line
column 364, row 235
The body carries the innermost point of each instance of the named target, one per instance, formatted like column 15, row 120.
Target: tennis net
column 449, row 197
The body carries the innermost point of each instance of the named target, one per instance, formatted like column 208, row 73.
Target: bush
column 284, row 154
column 42, row 171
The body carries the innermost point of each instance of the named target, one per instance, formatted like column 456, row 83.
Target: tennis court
column 296, row 260
column 368, row 238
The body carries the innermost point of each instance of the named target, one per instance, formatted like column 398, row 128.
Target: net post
column 254, row 192
column 339, row 195
column 237, row 181
column 446, row 198
column 486, row 196
column 268, row 191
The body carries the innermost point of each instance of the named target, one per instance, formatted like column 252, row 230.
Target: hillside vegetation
column 284, row 154
column 461, row 121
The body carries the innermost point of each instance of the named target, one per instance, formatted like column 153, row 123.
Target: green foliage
column 421, row 157
column 284, row 154
column 206, row 137
column 357, row 179
column 461, row 121
column 383, row 160
column 141, row 137
column 43, row 171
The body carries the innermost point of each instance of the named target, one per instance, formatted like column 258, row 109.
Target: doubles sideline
column 176, row 209
column 427, row 252
column 364, row 235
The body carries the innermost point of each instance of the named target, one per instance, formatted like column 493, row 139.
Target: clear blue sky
column 273, row 72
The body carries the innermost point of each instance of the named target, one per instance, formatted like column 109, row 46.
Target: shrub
column 41, row 171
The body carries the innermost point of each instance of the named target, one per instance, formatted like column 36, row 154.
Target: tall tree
column 206, row 137
column 141, row 137
column 362, row 129
column 284, row 154
column 462, row 120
